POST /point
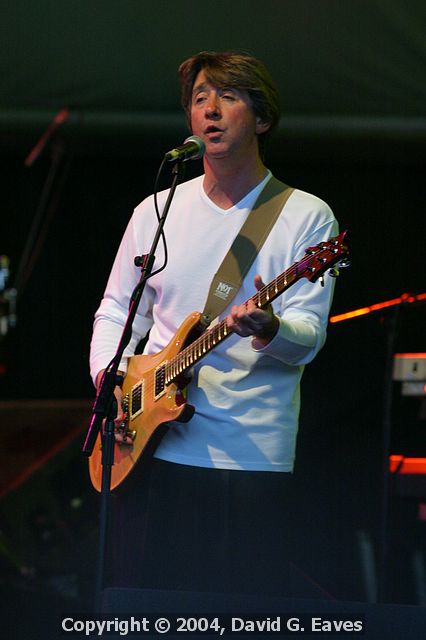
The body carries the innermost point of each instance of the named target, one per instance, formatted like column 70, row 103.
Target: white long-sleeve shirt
column 246, row 400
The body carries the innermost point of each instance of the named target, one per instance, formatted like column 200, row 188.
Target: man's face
column 224, row 119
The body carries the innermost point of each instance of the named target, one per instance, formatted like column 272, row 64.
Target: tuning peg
column 334, row 272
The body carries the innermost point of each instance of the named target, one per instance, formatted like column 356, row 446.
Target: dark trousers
column 192, row 528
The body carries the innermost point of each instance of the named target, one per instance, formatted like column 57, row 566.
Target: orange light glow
column 400, row 464
column 405, row 298
column 411, row 356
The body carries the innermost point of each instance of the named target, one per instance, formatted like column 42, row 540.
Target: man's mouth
column 212, row 129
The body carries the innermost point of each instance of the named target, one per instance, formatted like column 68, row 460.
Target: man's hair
column 236, row 70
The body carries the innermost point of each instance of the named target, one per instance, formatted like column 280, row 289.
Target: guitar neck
column 208, row 340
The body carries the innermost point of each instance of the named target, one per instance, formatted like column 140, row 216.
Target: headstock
column 330, row 254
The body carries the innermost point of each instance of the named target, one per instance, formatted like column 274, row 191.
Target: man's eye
column 199, row 99
column 228, row 96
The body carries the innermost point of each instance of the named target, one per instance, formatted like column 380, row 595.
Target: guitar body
column 154, row 412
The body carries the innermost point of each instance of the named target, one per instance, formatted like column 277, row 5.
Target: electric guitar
column 153, row 389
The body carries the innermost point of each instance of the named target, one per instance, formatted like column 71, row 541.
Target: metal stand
column 386, row 439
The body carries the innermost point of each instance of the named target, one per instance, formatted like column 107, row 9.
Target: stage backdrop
column 352, row 75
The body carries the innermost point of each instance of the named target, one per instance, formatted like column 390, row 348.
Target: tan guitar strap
column 245, row 247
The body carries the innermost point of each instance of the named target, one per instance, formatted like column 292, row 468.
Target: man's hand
column 249, row 320
column 118, row 393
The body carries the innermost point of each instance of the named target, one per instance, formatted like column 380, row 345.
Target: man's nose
column 212, row 107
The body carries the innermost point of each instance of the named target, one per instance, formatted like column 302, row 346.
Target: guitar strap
column 245, row 248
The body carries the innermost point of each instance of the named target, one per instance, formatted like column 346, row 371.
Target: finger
column 238, row 322
column 119, row 418
column 235, row 312
column 258, row 282
column 232, row 317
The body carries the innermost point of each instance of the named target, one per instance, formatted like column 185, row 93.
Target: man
column 211, row 511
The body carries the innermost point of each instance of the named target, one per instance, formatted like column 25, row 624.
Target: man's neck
column 227, row 184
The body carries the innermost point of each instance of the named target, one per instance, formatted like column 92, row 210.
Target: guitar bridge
column 125, row 434
column 123, row 429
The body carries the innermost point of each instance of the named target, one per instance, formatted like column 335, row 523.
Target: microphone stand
column 105, row 407
column 48, row 201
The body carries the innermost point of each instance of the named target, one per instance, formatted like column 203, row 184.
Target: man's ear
column 262, row 126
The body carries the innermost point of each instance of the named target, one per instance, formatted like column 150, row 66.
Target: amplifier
column 410, row 369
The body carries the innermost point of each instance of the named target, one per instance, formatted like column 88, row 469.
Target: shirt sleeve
column 113, row 310
column 304, row 309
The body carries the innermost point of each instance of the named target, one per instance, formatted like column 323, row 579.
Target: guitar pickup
column 136, row 400
column 160, row 381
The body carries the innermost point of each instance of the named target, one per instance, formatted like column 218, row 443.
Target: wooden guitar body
column 156, row 406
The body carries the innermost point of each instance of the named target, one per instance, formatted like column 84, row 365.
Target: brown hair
column 234, row 70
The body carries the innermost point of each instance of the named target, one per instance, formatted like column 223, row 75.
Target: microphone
column 192, row 149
